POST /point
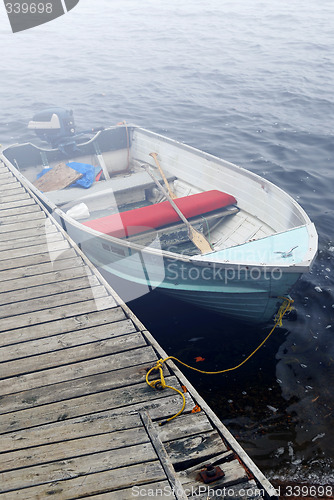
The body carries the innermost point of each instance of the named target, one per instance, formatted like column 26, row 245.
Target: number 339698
column 28, row 8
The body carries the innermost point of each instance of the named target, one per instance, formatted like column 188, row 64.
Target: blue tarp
column 88, row 173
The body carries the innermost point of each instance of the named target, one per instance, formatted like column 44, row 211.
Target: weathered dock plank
column 108, row 453
column 64, row 262
column 19, row 211
column 43, row 228
column 11, row 189
column 39, row 222
column 47, row 289
column 64, row 311
column 124, row 397
column 51, row 246
column 65, row 340
column 101, row 423
column 26, row 282
column 43, row 233
column 114, row 479
column 8, row 184
column 20, row 217
column 90, row 350
column 73, row 448
column 129, row 369
column 72, row 323
column 5, row 174
column 29, row 241
column 49, row 257
column 58, row 374
column 46, row 302
column 15, row 195
column 20, row 203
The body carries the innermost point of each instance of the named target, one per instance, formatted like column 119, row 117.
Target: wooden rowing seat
column 131, row 222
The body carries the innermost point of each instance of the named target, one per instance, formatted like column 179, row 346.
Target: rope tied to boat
column 160, row 383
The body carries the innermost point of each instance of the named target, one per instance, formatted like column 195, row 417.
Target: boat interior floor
column 243, row 227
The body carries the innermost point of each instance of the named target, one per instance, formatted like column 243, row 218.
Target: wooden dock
column 77, row 417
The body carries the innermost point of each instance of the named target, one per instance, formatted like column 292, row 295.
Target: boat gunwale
column 189, row 259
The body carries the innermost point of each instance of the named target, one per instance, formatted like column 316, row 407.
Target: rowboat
column 162, row 215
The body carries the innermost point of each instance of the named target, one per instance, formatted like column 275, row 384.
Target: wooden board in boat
column 58, row 177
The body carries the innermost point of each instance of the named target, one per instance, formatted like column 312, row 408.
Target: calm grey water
column 251, row 82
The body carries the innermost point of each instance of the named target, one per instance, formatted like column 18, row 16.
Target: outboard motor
column 55, row 126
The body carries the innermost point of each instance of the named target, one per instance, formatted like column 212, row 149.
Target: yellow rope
column 161, row 384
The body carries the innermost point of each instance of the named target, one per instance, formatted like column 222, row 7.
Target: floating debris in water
column 318, row 436
column 279, row 451
column 198, row 359
column 290, row 449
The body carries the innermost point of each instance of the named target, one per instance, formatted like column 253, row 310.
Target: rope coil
column 160, row 383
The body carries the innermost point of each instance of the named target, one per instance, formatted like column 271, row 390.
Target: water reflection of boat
column 248, row 241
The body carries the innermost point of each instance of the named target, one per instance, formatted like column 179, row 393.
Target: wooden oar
column 155, row 157
column 196, row 237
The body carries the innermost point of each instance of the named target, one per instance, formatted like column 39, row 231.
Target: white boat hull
column 260, row 252
column 250, row 295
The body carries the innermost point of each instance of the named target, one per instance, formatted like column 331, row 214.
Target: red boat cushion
column 154, row 216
